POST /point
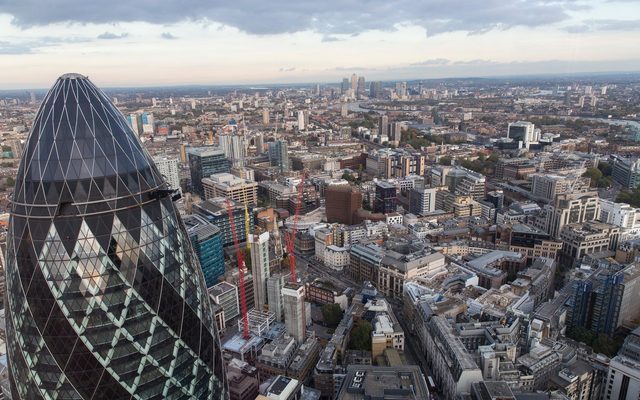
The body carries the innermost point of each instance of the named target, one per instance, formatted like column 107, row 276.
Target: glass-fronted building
column 206, row 240
column 204, row 162
column 104, row 295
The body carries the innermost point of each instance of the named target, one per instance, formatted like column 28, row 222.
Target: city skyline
column 133, row 45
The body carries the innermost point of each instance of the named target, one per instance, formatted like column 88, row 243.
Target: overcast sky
column 168, row 42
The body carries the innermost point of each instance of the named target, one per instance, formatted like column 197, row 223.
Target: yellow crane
column 247, row 225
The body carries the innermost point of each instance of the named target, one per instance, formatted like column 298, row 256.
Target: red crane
column 291, row 236
column 241, row 266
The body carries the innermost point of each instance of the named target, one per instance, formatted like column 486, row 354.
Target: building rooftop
column 398, row 382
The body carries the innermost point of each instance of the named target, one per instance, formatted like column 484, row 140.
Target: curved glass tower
column 105, row 297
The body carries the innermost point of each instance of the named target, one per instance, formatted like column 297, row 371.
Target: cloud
column 7, row 48
column 288, row 69
column 15, row 47
column 433, row 61
column 285, row 16
column 111, row 35
column 168, row 36
column 330, row 38
column 605, row 25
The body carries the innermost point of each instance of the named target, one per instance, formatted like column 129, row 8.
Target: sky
column 176, row 42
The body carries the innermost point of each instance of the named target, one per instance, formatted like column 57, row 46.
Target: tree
column 631, row 197
column 445, row 160
column 331, row 314
column 348, row 177
column 361, row 336
column 10, row 181
column 605, row 168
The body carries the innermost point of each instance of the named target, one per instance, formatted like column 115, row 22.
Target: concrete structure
column 242, row 379
column 260, row 267
column 169, row 168
column 570, row 209
column 588, row 238
column 422, row 200
column 294, row 311
column 453, row 368
column 623, row 381
column 275, row 283
column 621, row 215
column 231, row 187
column 225, row 294
column 548, row 186
column 626, row 171
column 368, row 382
column 276, row 357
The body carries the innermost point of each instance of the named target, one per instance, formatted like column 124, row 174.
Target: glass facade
column 104, row 297
column 204, row 162
column 206, row 240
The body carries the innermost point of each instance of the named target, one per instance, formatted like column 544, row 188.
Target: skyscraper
column 104, row 295
column 294, row 311
column 279, row 155
column 354, row 83
column 169, row 168
column 260, row 267
column 206, row 240
column 204, row 162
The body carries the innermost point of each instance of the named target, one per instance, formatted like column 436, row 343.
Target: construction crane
column 241, row 266
column 290, row 238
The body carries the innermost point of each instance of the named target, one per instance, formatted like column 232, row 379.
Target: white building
column 170, row 169
column 623, row 381
column 260, row 267
column 393, row 219
column 336, row 257
column 622, row 215
column 294, row 311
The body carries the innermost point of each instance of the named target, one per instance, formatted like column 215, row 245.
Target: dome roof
column 81, row 150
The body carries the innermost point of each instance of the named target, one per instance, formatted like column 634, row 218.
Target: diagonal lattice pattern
column 105, row 297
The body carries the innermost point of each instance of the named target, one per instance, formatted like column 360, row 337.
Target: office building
column 169, row 168
column 422, row 200
column 282, row 388
column 626, row 171
column 206, row 240
column 216, row 211
column 275, row 283
column 260, row 267
column 341, row 202
column 204, row 162
column 375, row 90
column 242, row 379
column 294, row 311
column 276, row 357
column 344, row 86
column 279, row 155
column 361, row 89
column 588, row 238
column 570, row 209
column 383, row 125
column 354, row 83
column 303, row 120
column 148, row 123
column 234, row 146
column 134, row 122
column 596, row 301
column 231, row 187
column 371, row 382
column 225, row 294
column 623, row 380
column 524, row 132
column 464, row 182
column 548, row 186
column 105, row 267
column 385, row 200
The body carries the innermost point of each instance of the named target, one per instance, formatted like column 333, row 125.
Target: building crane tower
column 241, row 267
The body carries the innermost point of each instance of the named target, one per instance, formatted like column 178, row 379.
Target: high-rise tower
column 104, row 295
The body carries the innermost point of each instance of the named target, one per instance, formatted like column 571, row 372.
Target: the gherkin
column 105, row 299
